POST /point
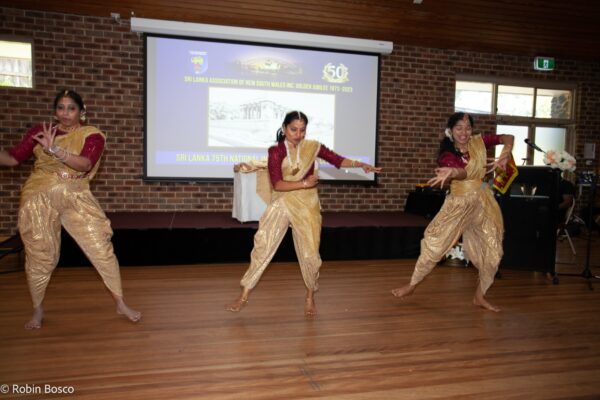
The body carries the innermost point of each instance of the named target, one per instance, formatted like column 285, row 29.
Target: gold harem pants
column 477, row 217
column 40, row 218
column 272, row 228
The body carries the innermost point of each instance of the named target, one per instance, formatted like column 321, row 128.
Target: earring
column 82, row 117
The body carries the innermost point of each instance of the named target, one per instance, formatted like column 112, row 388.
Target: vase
column 454, row 262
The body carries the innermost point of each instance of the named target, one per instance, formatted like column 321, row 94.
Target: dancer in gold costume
column 57, row 193
column 295, row 203
column 469, row 210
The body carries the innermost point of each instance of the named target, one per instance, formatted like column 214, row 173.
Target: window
column 520, row 149
column 524, row 109
column 548, row 138
column 515, row 100
column 16, row 66
column 555, row 104
column 474, row 97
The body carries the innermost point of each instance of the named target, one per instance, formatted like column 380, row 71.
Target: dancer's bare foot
column 480, row 301
column 310, row 309
column 36, row 319
column 241, row 301
column 483, row 303
column 404, row 291
column 129, row 313
column 237, row 305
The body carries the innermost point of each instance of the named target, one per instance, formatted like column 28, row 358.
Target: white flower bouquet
column 457, row 253
column 560, row 159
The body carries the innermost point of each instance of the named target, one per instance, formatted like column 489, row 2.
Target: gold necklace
column 68, row 129
column 294, row 166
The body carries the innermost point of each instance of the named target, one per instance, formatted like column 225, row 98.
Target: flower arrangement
column 560, row 159
column 457, row 253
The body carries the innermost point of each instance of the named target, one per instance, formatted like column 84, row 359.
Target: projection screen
column 212, row 104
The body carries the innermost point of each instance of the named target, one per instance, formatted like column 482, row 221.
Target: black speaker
column 425, row 202
column 530, row 210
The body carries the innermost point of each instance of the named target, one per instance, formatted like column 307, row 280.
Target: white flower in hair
column 448, row 133
column 561, row 160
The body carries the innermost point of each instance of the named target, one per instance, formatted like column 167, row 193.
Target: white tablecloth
column 247, row 205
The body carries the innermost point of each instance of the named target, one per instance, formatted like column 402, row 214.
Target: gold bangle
column 304, row 183
column 65, row 156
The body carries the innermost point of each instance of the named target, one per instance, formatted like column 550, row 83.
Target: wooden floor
column 364, row 344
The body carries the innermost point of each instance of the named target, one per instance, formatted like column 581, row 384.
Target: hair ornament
column 448, row 133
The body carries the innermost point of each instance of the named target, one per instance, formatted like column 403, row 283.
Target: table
column 247, row 204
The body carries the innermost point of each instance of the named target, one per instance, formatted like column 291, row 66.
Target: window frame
column 531, row 122
column 530, row 83
column 531, row 130
column 22, row 39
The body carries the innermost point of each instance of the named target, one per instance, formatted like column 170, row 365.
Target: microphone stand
column 587, row 273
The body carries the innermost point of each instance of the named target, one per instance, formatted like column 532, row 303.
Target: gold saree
column 469, row 210
column 55, row 195
column 299, row 209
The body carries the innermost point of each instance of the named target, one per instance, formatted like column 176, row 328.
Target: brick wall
column 103, row 61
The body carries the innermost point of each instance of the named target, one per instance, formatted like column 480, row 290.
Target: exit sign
column 543, row 64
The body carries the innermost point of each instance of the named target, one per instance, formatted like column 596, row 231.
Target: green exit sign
column 543, row 64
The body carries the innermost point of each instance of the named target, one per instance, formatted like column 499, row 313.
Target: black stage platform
column 170, row 238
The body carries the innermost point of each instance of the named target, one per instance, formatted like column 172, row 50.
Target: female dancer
column 295, row 203
column 469, row 210
column 57, row 193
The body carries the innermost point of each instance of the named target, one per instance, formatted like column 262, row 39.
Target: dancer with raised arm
column 295, row 203
column 56, row 194
column 469, row 210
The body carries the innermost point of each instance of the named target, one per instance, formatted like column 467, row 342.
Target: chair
column 562, row 230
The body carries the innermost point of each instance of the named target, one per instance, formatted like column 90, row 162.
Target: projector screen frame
column 259, row 36
column 147, row 178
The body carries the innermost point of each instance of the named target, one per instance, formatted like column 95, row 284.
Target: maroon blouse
column 92, row 147
column 277, row 154
column 447, row 159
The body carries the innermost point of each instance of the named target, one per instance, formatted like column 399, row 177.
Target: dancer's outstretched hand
column 499, row 162
column 441, row 175
column 369, row 168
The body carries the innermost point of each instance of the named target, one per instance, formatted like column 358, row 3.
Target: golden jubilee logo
column 335, row 73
